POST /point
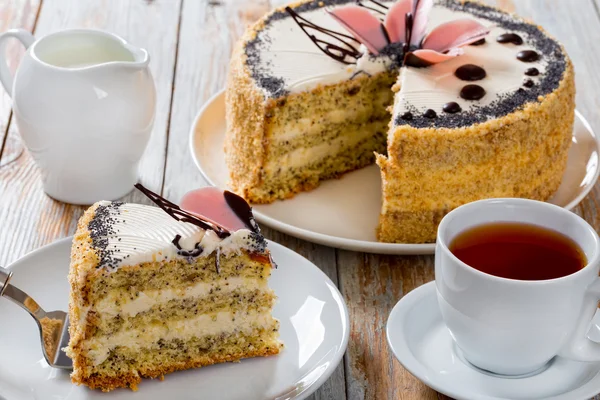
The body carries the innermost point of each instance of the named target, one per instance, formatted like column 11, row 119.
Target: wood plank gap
column 5, row 138
column 596, row 7
column 345, row 358
column 173, row 83
column 8, row 123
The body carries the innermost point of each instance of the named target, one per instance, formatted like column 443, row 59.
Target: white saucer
column 314, row 328
column 422, row 343
column 344, row 212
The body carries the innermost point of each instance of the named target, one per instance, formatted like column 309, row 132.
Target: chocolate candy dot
column 430, row 114
column 472, row 92
column 478, row 43
column 510, row 38
column 528, row 83
column 452, row 108
column 532, row 72
column 407, row 116
column 528, row 56
column 470, row 72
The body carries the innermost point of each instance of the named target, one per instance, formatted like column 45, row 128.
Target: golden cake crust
column 131, row 381
column 429, row 172
column 83, row 264
column 246, row 115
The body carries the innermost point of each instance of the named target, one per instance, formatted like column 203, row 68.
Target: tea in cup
column 517, row 284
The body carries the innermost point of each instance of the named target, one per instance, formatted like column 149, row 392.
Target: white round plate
column 421, row 342
column 344, row 212
column 314, row 329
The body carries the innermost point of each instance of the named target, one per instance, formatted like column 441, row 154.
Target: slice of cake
column 161, row 289
column 482, row 106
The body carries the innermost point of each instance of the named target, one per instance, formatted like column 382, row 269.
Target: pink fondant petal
column 363, row 25
column 421, row 9
column 425, row 58
column 455, row 33
column 209, row 203
column 395, row 20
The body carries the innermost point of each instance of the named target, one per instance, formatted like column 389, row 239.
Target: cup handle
column 5, row 75
column 579, row 346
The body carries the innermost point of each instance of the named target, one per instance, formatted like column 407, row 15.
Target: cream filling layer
column 303, row 156
column 203, row 325
column 306, row 127
column 119, row 302
column 302, row 127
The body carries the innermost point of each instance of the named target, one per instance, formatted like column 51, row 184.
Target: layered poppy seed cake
column 455, row 101
column 161, row 289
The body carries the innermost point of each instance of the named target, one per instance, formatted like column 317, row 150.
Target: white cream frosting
column 307, row 155
column 117, row 302
column 434, row 86
column 293, row 57
column 185, row 329
column 139, row 233
column 290, row 55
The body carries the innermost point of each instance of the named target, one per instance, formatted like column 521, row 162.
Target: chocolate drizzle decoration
column 452, row 107
column 410, row 60
column 340, row 51
column 242, row 209
column 470, row 72
column 361, row 4
column 480, row 42
column 407, row 116
column 180, row 215
column 408, row 24
column 218, row 261
column 510, row 38
column 528, row 56
column 430, row 113
column 472, row 92
column 187, row 253
column 528, row 83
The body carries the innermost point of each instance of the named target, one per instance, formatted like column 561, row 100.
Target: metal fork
column 54, row 325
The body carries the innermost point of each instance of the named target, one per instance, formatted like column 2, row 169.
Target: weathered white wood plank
column 30, row 219
column 13, row 14
column 208, row 32
column 372, row 285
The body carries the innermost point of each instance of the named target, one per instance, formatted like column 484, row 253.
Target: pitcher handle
column 26, row 39
column 580, row 347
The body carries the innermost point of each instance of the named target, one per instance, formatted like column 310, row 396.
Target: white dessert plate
column 314, row 328
column 344, row 212
column 421, row 342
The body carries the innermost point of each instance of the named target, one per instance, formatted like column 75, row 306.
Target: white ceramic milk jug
column 84, row 103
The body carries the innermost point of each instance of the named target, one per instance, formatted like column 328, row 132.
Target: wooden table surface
column 190, row 43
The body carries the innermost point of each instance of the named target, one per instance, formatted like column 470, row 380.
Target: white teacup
column 84, row 103
column 514, row 327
